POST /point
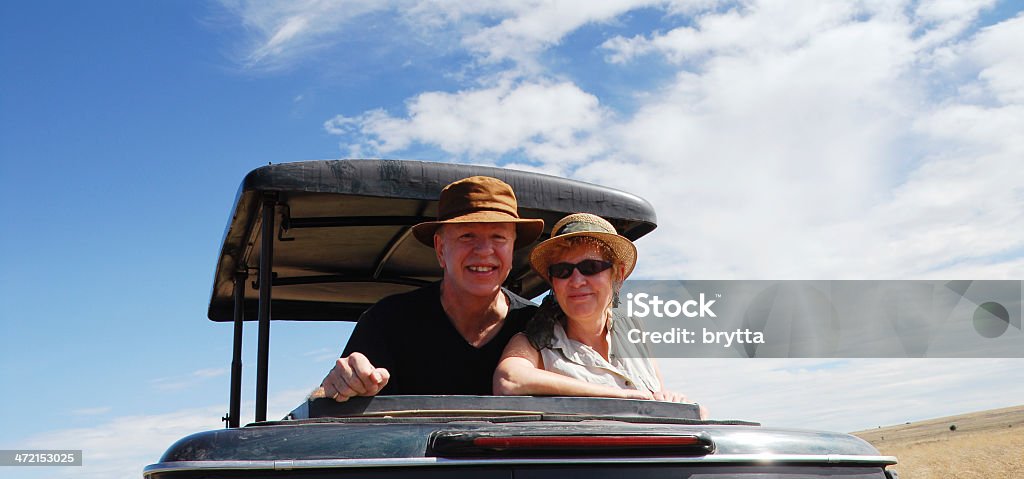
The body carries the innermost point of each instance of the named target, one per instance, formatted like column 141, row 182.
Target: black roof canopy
column 344, row 240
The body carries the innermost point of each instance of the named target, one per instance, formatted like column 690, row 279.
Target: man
column 445, row 338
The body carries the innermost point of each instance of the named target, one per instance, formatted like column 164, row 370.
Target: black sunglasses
column 587, row 267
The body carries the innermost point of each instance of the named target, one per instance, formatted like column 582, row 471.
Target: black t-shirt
column 410, row 335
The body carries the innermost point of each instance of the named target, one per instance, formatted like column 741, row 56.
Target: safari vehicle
column 324, row 240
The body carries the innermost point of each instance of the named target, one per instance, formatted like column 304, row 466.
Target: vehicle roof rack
column 341, row 232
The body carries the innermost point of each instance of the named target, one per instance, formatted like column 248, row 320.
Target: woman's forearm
column 523, row 379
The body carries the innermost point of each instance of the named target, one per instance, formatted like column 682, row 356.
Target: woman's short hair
column 540, row 330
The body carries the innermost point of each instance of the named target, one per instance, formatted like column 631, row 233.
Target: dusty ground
column 985, row 444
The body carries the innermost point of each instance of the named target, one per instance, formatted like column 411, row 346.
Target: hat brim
column 624, row 250
column 527, row 230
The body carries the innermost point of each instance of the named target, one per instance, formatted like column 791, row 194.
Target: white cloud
column 845, row 395
column 822, row 153
column 752, row 28
column 537, row 25
column 495, row 30
column 551, row 120
column 1001, row 64
column 122, row 446
column 758, row 26
column 626, row 49
column 279, row 32
column 950, row 10
column 803, row 139
column 965, row 203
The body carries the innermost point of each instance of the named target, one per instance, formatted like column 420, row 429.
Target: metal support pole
column 234, row 411
column 266, row 281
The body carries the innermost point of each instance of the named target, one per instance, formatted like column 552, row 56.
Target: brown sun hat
column 584, row 224
column 479, row 199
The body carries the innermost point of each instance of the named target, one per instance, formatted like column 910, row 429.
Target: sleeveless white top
column 628, row 365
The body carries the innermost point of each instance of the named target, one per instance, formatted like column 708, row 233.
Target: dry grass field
column 986, row 444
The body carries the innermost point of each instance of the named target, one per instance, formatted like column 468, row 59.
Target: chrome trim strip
column 743, row 459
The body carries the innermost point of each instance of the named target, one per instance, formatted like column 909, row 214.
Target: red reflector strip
column 512, row 442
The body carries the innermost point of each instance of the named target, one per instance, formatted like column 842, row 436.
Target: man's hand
column 352, row 376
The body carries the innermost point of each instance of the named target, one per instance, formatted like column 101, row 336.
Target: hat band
column 454, row 214
column 580, row 227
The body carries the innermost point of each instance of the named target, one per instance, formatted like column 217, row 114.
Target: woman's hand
column 669, row 396
column 635, row 394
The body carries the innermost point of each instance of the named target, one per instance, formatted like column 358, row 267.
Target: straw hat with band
column 584, row 224
column 479, row 199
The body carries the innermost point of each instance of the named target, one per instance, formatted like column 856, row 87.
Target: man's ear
column 439, row 248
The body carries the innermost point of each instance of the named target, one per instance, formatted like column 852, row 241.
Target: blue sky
column 776, row 140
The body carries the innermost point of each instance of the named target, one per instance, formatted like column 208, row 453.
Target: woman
column 574, row 346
